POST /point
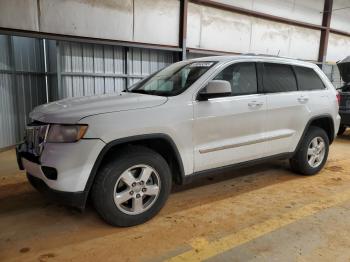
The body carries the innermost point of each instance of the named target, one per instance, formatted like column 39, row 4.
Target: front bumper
column 72, row 199
column 72, row 164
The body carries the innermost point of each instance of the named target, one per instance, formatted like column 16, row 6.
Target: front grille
column 35, row 138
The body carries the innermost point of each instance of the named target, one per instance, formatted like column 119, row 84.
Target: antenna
column 278, row 52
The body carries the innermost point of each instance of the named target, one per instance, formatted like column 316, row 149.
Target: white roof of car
column 267, row 58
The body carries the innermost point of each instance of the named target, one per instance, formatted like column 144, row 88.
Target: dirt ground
column 261, row 213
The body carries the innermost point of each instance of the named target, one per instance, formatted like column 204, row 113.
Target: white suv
column 192, row 118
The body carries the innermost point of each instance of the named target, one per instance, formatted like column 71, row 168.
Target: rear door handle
column 303, row 99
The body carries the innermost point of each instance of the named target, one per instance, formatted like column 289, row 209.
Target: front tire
column 313, row 152
column 132, row 188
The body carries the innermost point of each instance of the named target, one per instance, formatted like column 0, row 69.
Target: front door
column 229, row 130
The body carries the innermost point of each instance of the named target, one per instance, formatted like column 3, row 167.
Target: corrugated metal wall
column 22, row 85
column 143, row 62
column 87, row 69
column 73, row 69
column 7, row 102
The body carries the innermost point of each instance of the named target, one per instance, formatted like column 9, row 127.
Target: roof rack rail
column 268, row 55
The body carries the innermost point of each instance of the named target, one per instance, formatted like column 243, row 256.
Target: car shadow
column 230, row 184
column 218, row 187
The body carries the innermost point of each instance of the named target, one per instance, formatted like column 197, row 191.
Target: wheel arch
column 323, row 121
column 159, row 142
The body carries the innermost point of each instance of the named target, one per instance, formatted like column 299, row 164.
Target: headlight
column 65, row 133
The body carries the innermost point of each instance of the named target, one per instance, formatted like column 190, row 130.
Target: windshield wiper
column 149, row 92
column 140, row 91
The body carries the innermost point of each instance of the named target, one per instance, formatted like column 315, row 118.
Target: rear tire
column 122, row 197
column 310, row 159
column 341, row 130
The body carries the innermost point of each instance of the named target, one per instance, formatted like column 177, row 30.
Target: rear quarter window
column 308, row 79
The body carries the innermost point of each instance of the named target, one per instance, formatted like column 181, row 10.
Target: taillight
column 338, row 98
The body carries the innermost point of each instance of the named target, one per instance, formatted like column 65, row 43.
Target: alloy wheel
column 316, row 152
column 137, row 189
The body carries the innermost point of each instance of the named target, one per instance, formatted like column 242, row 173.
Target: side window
column 242, row 78
column 308, row 79
column 278, row 78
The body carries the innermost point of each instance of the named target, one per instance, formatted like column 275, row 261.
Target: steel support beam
column 100, row 74
column 59, row 70
column 43, row 41
column 210, row 52
column 15, row 86
column 326, row 22
column 70, row 38
column 339, row 32
column 183, row 28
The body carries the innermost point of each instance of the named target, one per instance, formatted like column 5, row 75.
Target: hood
column 71, row 110
column 344, row 69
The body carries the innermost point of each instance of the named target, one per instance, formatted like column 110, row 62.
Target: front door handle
column 255, row 104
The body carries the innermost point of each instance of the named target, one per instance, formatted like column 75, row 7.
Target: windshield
column 173, row 79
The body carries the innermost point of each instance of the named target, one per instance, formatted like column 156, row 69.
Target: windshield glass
column 173, row 79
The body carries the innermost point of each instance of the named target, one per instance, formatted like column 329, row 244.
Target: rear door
column 287, row 107
column 313, row 89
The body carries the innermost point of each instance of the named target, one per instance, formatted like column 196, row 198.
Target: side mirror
column 215, row 88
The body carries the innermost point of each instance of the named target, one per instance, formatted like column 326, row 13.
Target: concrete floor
column 262, row 213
